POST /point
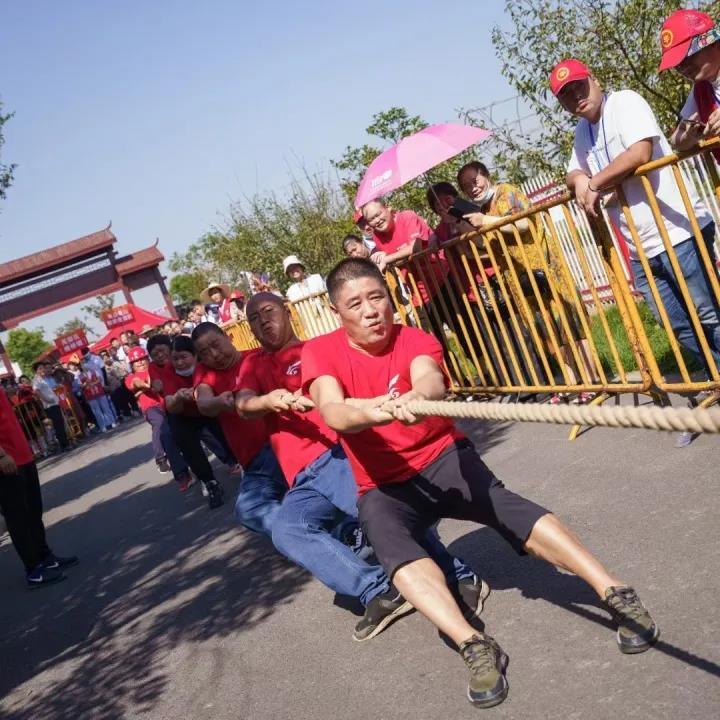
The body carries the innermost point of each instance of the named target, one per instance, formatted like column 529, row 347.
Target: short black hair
column 441, row 188
column 204, row 328
column 156, row 340
column 351, row 237
column 37, row 364
column 351, row 269
column 182, row 343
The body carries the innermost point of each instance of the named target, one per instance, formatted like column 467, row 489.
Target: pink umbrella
column 415, row 155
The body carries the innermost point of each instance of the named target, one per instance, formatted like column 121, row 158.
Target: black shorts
column 457, row 485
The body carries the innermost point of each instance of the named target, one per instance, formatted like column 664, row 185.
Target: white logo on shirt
column 293, row 368
column 393, row 392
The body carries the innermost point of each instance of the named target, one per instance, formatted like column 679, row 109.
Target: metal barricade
column 313, row 316
column 241, row 335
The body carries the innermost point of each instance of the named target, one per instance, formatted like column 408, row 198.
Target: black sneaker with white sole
column 380, row 612
column 215, row 494
column 470, row 594
column 163, row 465
column 41, row 576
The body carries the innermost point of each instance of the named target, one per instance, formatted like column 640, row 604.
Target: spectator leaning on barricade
column 353, row 246
column 21, row 503
column 413, row 471
column 496, row 201
column 50, row 402
column 617, row 133
column 303, row 285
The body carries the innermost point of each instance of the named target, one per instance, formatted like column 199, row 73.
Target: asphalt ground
column 176, row 612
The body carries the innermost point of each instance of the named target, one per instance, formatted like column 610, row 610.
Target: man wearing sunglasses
column 689, row 42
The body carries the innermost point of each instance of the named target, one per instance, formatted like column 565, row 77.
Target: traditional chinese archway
column 65, row 274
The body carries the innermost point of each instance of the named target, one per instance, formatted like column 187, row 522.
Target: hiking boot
column 56, row 562
column 637, row 631
column 163, row 465
column 487, row 662
column 41, row 576
column 215, row 494
column 380, row 612
column 470, row 594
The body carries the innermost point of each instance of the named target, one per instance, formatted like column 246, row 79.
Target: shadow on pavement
column 143, row 588
column 492, row 558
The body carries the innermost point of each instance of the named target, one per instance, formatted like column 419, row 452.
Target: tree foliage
column 618, row 39
column 23, row 346
column 102, row 303
column 186, row 287
column 74, row 324
column 6, row 171
column 309, row 221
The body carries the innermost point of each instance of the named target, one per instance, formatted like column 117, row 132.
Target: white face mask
column 487, row 196
column 187, row 372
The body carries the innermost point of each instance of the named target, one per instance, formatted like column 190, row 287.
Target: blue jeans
column 324, row 493
column 262, row 489
column 698, row 284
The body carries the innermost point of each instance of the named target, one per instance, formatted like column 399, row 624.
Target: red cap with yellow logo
column 565, row 72
column 678, row 33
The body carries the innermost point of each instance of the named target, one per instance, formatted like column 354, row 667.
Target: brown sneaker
column 637, row 631
column 487, row 663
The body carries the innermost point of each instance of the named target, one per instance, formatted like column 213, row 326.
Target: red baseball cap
column 565, row 72
column 677, row 34
column 357, row 215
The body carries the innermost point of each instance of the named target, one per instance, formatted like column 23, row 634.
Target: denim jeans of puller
column 262, row 489
column 323, row 493
column 700, row 289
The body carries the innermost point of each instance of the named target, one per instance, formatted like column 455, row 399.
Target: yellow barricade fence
column 504, row 303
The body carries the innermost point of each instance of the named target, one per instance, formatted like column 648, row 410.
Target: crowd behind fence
column 551, row 308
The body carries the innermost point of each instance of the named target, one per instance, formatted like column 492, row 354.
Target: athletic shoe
column 203, row 489
column 381, row 611
column 215, row 494
column 236, row 469
column 57, row 562
column 487, row 664
column 43, row 576
column 470, row 594
column 637, row 631
column 185, row 481
column 163, row 465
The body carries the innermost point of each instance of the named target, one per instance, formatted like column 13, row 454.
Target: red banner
column 120, row 315
column 71, row 341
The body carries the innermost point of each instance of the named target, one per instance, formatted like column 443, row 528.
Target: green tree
column 391, row 126
column 102, row 303
column 618, row 39
column 23, row 346
column 186, row 287
column 6, row 171
column 75, row 324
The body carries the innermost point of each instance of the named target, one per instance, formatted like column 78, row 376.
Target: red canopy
column 141, row 319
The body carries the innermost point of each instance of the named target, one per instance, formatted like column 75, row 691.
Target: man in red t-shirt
column 215, row 380
column 412, row 472
column 21, row 503
column 320, row 508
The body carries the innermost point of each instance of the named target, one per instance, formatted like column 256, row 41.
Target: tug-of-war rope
column 698, row 420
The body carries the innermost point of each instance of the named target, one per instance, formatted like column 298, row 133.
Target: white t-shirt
column 690, row 107
column 627, row 119
column 309, row 286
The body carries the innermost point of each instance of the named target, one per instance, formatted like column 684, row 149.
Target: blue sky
column 157, row 115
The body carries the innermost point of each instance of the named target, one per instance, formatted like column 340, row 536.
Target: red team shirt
column 245, row 437
column 390, row 453
column 12, row 438
column 172, row 382
column 147, row 398
column 407, row 225
column 297, row 439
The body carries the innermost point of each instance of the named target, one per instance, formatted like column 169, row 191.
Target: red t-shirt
column 92, row 384
column 172, row 382
column 390, row 453
column 408, row 226
column 146, row 399
column 297, row 439
column 245, row 437
column 12, row 438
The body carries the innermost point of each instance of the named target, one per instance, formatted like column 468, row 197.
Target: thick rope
column 653, row 417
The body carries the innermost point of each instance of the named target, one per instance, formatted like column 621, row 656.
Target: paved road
column 177, row 613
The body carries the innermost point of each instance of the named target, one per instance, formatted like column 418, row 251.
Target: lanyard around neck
column 602, row 125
